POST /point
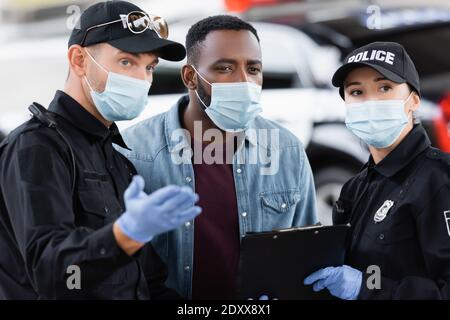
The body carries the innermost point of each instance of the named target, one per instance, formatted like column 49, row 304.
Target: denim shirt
column 274, row 192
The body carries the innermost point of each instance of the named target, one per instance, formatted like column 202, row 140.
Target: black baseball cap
column 388, row 58
column 119, row 36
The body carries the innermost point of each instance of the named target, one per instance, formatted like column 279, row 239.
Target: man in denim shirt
column 251, row 174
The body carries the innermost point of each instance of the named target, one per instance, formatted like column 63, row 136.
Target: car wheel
column 329, row 182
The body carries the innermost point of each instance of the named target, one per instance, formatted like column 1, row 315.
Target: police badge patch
column 381, row 213
column 447, row 221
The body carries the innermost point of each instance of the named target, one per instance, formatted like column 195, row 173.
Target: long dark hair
column 415, row 119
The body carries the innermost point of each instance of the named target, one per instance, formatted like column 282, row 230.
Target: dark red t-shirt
column 216, row 232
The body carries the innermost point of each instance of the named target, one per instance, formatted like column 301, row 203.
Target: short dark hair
column 198, row 32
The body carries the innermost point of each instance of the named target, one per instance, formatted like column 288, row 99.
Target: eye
column 125, row 62
column 224, row 68
column 151, row 68
column 254, row 70
column 385, row 88
column 355, row 92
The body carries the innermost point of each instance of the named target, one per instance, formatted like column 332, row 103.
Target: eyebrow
column 137, row 55
column 380, row 79
column 233, row 61
column 254, row 61
column 356, row 83
column 126, row 52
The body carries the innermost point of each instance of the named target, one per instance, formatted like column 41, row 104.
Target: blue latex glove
column 149, row 215
column 343, row 282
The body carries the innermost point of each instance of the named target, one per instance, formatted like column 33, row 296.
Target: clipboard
column 276, row 262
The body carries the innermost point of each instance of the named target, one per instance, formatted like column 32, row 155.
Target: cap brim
column 341, row 74
column 144, row 42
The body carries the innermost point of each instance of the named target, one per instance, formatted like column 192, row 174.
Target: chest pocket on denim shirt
column 278, row 208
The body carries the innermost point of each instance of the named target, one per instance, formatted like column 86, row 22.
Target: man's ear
column 189, row 77
column 415, row 103
column 77, row 60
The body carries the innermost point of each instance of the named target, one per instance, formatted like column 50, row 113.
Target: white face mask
column 233, row 105
column 124, row 98
column 379, row 123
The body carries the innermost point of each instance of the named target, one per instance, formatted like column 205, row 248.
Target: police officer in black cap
column 71, row 223
column 399, row 204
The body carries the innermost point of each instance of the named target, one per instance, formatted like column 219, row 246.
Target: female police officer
column 399, row 204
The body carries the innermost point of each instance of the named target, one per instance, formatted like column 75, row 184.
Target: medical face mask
column 379, row 123
column 233, row 105
column 124, row 98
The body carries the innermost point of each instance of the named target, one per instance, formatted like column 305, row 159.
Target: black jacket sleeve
column 35, row 179
column 155, row 271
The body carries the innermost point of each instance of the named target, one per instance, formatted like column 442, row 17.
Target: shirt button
column 188, row 179
column 102, row 251
column 239, row 170
column 283, row 206
column 244, row 214
column 187, row 224
column 187, row 268
column 381, row 236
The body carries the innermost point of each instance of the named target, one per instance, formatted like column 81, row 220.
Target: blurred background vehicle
column 303, row 42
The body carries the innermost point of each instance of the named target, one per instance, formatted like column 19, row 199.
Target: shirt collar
column 172, row 123
column 68, row 108
column 412, row 145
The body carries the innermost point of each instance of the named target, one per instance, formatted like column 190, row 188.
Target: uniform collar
column 412, row 145
column 68, row 108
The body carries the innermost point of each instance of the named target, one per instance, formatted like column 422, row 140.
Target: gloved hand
column 343, row 282
column 149, row 215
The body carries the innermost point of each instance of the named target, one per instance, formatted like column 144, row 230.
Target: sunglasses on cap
column 137, row 22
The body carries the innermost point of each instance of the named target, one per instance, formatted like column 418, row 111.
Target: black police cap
column 119, row 36
column 388, row 58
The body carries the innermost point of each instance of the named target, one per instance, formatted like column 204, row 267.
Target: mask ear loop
column 198, row 97
column 196, row 93
column 89, row 85
column 201, row 75
column 406, row 101
column 100, row 66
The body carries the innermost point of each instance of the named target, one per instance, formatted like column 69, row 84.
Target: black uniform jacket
column 47, row 232
column 399, row 210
